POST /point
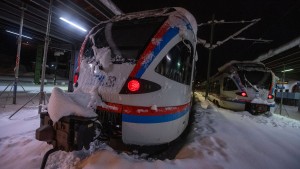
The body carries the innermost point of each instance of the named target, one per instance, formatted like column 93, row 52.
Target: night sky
column 279, row 23
column 8, row 51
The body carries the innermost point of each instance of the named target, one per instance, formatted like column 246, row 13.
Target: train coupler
column 70, row 133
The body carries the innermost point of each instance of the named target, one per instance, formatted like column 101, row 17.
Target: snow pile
column 219, row 139
column 85, row 99
column 259, row 100
column 103, row 58
column 274, row 121
column 64, row 104
column 205, row 104
column 22, row 151
column 154, row 108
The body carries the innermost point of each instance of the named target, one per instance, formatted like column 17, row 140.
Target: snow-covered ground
column 220, row 139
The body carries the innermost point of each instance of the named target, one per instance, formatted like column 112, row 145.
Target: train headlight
column 270, row 96
column 139, row 86
column 244, row 94
column 76, row 76
column 133, row 85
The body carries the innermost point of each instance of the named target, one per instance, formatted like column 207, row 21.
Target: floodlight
column 287, row 70
column 18, row 34
column 73, row 24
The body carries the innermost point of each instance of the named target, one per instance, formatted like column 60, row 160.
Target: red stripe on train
column 142, row 111
column 149, row 49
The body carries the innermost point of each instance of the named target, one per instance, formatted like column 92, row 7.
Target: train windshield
column 127, row 39
column 260, row 79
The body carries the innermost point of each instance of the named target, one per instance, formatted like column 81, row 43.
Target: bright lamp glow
column 287, row 70
column 73, row 24
column 133, row 85
column 18, row 34
column 270, row 96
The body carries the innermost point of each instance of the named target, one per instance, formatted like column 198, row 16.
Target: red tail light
column 244, row 94
column 133, row 85
column 270, row 96
column 76, row 76
column 139, row 86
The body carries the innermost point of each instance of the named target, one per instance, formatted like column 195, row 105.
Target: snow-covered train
column 139, row 70
column 242, row 86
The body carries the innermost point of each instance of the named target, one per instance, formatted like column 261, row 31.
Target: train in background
column 243, row 85
column 292, row 86
column 289, row 92
column 144, row 80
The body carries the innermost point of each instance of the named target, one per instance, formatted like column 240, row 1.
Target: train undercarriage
column 73, row 133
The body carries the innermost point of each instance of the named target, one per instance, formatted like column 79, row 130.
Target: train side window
column 229, row 85
column 177, row 64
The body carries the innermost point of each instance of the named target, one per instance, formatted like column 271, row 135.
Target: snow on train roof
column 231, row 63
column 160, row 12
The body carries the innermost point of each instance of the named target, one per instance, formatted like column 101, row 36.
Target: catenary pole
column 210, row 54
column 281, row 97
column 42, row 94
column 18, row 55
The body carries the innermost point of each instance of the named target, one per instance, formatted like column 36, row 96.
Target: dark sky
column 8, row 48
column 280, row 22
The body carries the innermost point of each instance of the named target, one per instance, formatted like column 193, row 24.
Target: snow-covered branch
column 226, row 22
column 233, row 36
column 237, row 33
column 260, row 40
column 273, row 52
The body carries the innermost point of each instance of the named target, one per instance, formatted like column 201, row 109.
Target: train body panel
column 154, row 130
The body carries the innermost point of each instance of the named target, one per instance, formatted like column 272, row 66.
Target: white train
column 243, row 86
column 148, row 85
column 140, row 69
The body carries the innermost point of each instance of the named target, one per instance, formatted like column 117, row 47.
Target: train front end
column 139, row 67
column 256, row 85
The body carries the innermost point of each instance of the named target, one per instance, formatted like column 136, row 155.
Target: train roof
column 239, row 64
column 171, row 11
